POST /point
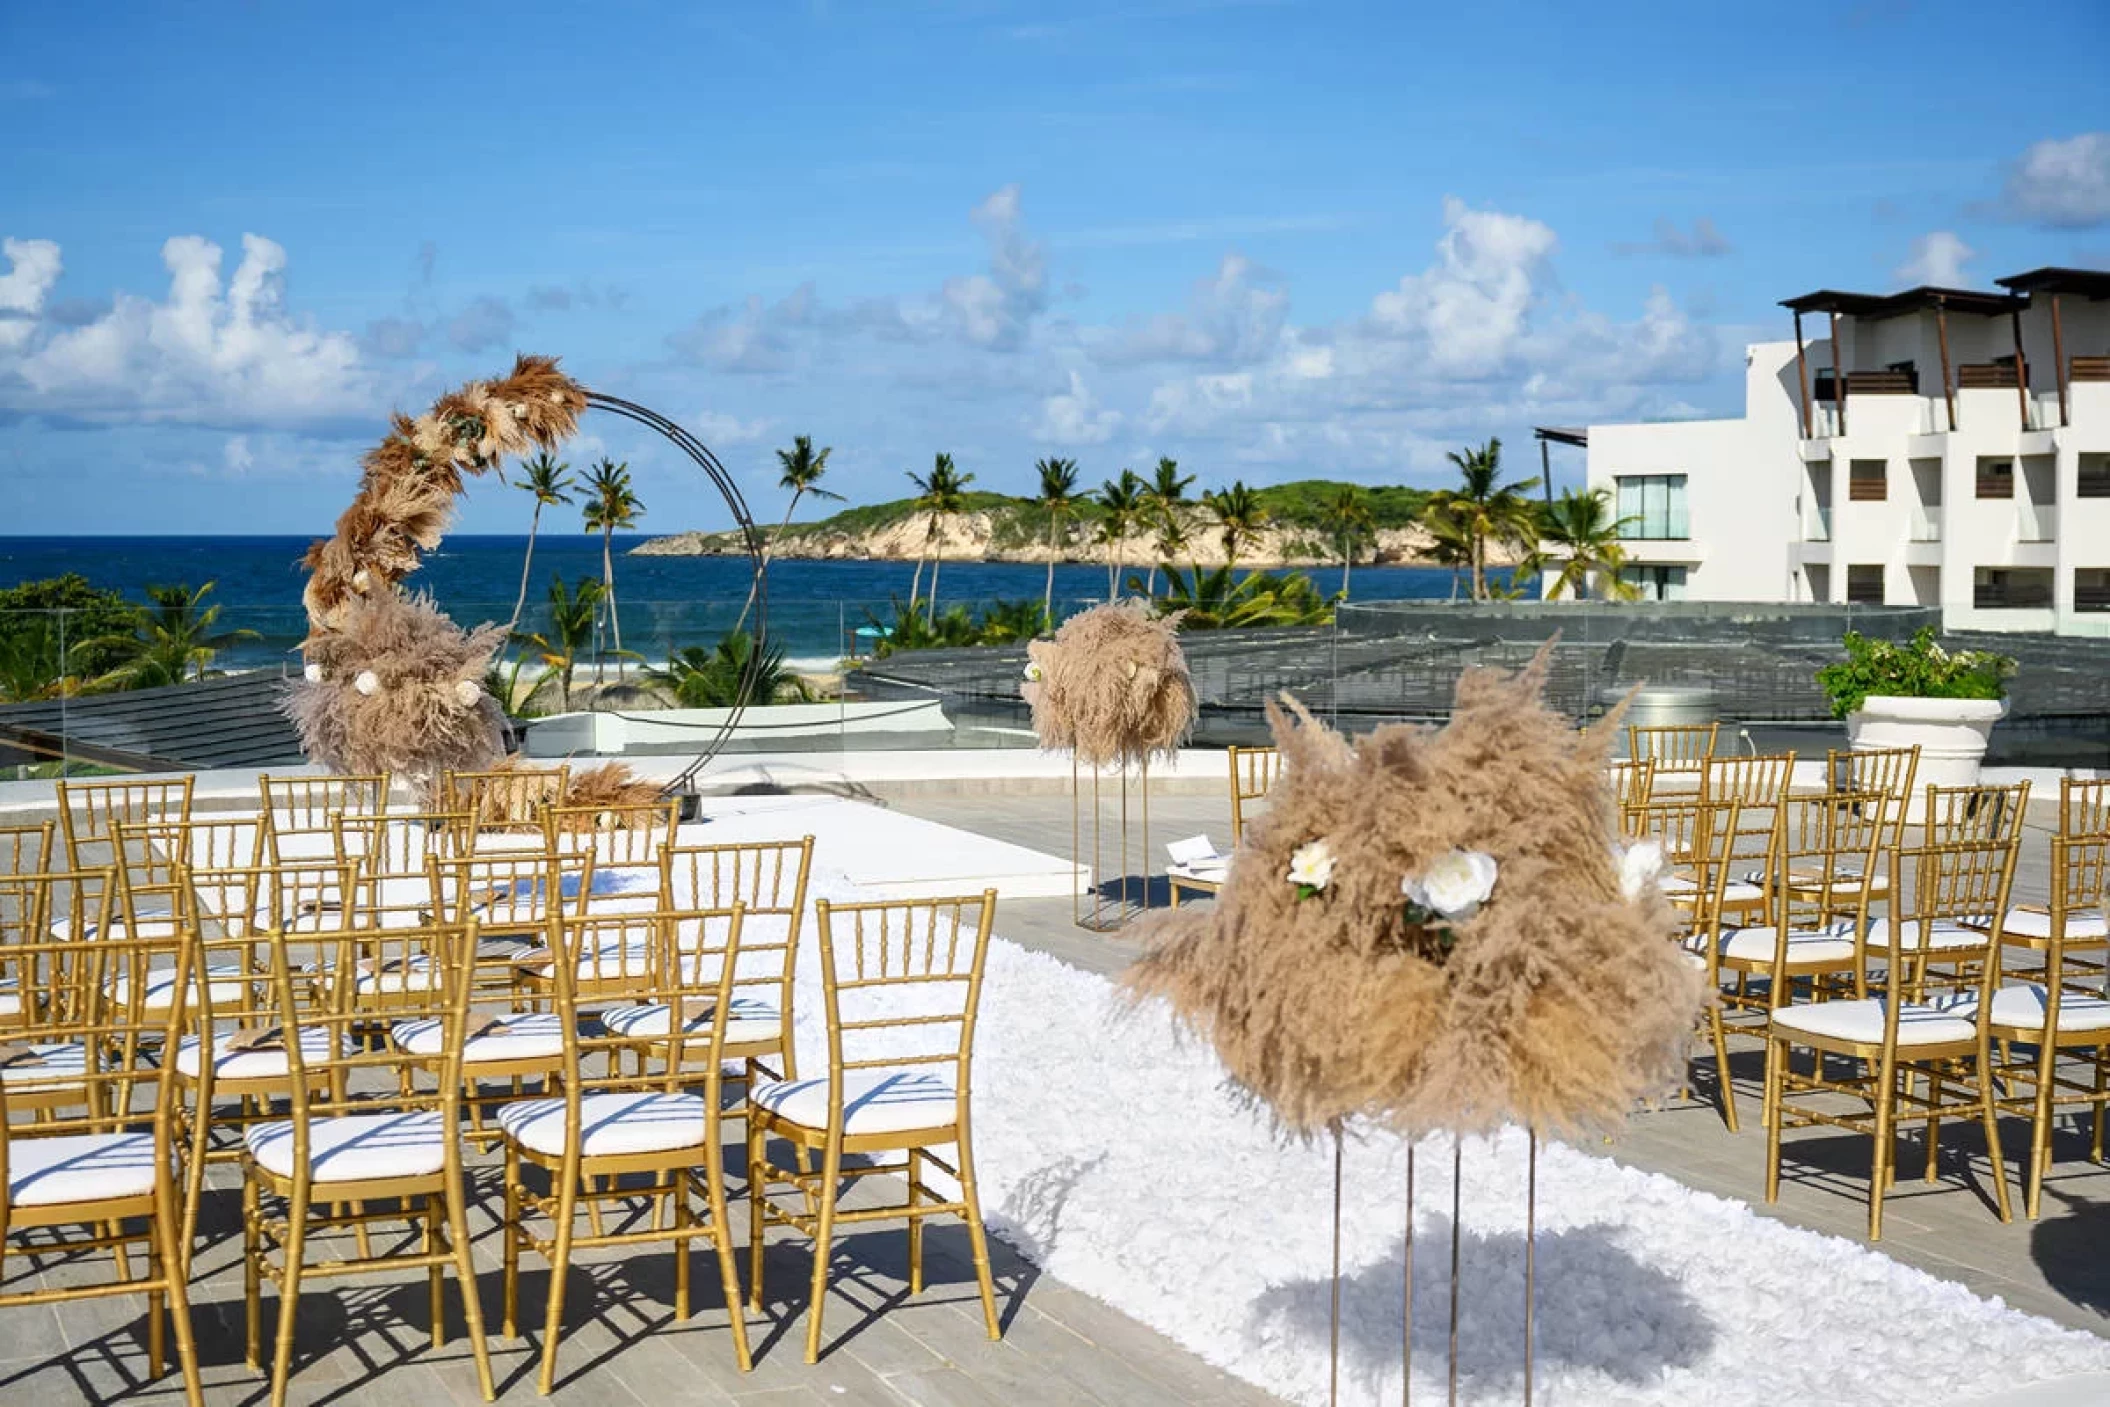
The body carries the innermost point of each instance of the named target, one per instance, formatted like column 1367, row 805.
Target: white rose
column 313, row 673
column 1312, row 865
column 1639, row 866
column 1033, row 672
column 1455, row 885
column 466, row 692
column 368, row 683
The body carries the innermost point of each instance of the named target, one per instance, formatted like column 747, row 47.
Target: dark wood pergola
column 1873, row 307
column 2054, row 284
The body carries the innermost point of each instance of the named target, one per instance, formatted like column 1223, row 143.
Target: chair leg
column 978, row 1238
column 457, row 1211
column 559, row 1260
column 164, row 1229
column 1882, row 1156
column 194, row 1184
column 831, row 1174
column 757, row 1210
column 252, row 1272
column 1990, row 1117
column 509, row 1297
column 1721, row 1065
column 915, row 1222
column 2041, row 1113
column 2102, row 1077
column 677, row 1216
column 1776, row 1071
column 435, row 1273
column 722, row 1242
column 289, row 1293
column 1934, row 1088
column 159, row 1272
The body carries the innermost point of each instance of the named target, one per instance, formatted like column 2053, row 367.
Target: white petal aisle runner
column 1113, row 1155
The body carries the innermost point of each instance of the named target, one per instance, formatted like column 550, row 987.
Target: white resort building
column 1936, row 447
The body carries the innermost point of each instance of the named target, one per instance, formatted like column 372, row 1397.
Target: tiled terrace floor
column 2054, row 1266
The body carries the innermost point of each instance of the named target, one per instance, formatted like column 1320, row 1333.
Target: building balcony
column 1926, row 523
column 2036, row 522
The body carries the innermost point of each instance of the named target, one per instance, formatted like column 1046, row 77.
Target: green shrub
column 1917, row 669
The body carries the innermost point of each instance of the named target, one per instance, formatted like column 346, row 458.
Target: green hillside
column 1016, row 520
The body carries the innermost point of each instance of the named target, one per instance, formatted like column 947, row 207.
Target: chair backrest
column 1253, row 771
column 2079, row 920
column 1673, row 822
column 401, row 845
column 307, row 803
column 1754, row 779
column 1957, row 887
column 510, row 893
column 505, row 797
column 2084, row 806
column 244, row 902
column 625, row 841
column 1889, row 770
column 334, row 1065
column 1710, row 864
column 1830, row 843
column 1673, row 747
column 89, row 813
column 1632, row 781
column 90, row 1032
column 767, row 878
column 26, row 849
column 897, row 976
column 51, row 982
column 1982, row 812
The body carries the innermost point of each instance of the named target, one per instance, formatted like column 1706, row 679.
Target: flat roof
column 1912, row 300
column 1564, row 435
column 2089, row 283
column 237, row 720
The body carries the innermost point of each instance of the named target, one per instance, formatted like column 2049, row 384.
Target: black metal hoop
column 758, row 587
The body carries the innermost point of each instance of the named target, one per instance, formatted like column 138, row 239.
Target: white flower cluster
column 1453, row 886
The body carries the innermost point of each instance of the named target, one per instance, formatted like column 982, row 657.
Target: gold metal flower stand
column 1097, row 902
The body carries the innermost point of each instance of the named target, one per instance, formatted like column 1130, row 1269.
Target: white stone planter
column 1951, row 734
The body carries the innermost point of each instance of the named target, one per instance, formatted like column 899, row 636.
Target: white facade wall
column 1771, row 514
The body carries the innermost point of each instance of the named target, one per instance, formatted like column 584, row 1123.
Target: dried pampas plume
column 1112, row 685
column 614, row 791
column 1558, row 1004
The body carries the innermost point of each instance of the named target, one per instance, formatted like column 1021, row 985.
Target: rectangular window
column 1656, row 583
column 1996, row 478
column 2095, row 476
column 1867, row 481
column 1651, row 506
column 2091, row 588
column 1864, row 585
column 2011, row 588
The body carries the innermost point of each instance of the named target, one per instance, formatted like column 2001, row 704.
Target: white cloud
column 483, row 323
column 204, row 354
column 33, row 267
column 1073, row 417
column 1233, row 316
column 1469, row 310
column 716, row 428
column 1936, row 259
column 997, row 308
column 2063, row 182
column 751, row 335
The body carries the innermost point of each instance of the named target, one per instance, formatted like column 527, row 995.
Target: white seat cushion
column 2031, row 922
column 1736, row 891
column 610, row 1123
column 1833, row 943
column 751, row 1019
column 1942, row 933
column 83, row 1167
column 395, row 976
column 268, row 1062
column 874, row 1101
column 1862, row 1022
column 46, row 1063
column 616, row 960
column 226, row 981
column 527, row 1036
column 2022, row 1007
column 355, row 1147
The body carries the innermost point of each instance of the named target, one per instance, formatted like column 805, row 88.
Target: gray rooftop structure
column 233, row 721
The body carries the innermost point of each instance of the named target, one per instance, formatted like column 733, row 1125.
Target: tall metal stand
column 1107, row 912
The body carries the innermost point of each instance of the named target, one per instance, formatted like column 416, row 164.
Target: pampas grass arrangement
column 1332, row 986
column 1112, row 685
column 391, row 683
column 610, row 788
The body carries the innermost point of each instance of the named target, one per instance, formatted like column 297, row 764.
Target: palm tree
column 1121, row 501
column 32, row 667
column 802, row 475
column 1346, row 518
column 1239, row 517
column 1486, row 508
column 174, row 644
column 573, row 617
column 1167, row 493
column 701, row 678
column 1448, row 544
column 1580, row 524
column 1214, row 600
column 550, row 482
column 610, row 504
column 941, row 495
column 1058, row 497
column 1172, row 541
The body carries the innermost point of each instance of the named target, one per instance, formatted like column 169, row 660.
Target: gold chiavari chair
column 511, row 897
column 2030, row 926
column 1753, row 779
column 308, row 803
column 365, row 1142
column 1633, row 781
column 1953, row 941
column 626, row 842
column 599, row 1129
column 768, row 880
column 1889, row 770
column 26, row 849
column 232, row 1049
column 894, row 975
column 64, row 986
column 2084, row 806
column 1716, row 826
column 89, row 814
column 2065, row 1013
column 25, row 852
column 505, row 798
column 103, row 1163
column 1678, row 823
column 1253, row 771
column 1678, row 751
column 1902, row 1042
column 392, row 860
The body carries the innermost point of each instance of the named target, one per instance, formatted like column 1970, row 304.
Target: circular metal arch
column 758, row 587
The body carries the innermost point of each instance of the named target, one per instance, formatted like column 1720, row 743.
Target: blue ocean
column 665, row 602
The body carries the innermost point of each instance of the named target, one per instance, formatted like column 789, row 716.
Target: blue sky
column 1272, row 240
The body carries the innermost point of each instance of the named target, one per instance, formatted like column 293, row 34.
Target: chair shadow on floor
column 2067, row 1245
column 1596, row 1308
